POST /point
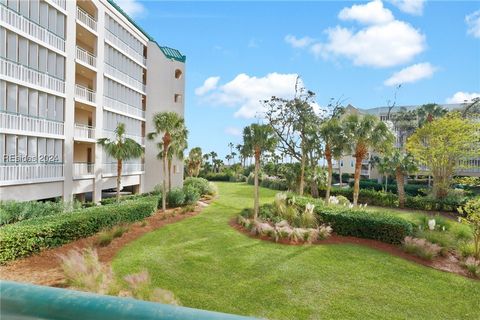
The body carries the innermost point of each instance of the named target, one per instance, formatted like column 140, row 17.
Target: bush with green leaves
column 15, row 211
column 27, row 237
column 175, row 198
column 421, row 248
column 471, row 212
column 202, row 185
column 192, row 195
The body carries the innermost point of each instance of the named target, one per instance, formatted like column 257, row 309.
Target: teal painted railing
column 26, row 301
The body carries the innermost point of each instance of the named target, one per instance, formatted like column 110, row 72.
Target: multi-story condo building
column 70, row 71
column 347, row 162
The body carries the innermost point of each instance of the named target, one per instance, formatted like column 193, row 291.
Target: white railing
column 83, row 131
column 121, row 45
column 127, row 168
column 25, row 172
column 19, row 72
column 86, row 57
column 364, row 172
column 123, row 107
column 20, row 122
column 60, row 3
column 84, row 93
column 86, row 19
column 22, row 24
column 82, row 169
column 112, row 136
column 114, row 72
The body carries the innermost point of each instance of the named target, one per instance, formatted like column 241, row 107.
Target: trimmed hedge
column 410, row 189
column 363, row 224
column 30, row 236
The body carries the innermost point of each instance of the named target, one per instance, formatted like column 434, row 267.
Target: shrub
column 364, row 224
column 104, row 238
column 200, row 184
column 473, row 266
column 14, row 211
column 218, row 176
column 472, row 217
column 175, row 198
column 30, row 236
column 191, row 195
column 421, row 248
column 118, row 231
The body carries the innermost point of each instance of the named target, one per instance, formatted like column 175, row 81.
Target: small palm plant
column 121, row 148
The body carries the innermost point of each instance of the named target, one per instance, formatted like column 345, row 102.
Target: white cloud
column 411, row 74
column 298, row 42
column 414, row 7
column 473, row 23
column 233, row 131
column 245, row 92
column 461, row 97
column 208, row 85
column 384, row 45
column 370, row 13
column 132, row 7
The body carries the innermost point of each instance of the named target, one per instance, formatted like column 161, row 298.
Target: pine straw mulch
column 448, row 263
column 44, row 268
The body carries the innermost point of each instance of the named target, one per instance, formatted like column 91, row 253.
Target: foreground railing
column 25, row 301
column 20, row 122
column 24, row 172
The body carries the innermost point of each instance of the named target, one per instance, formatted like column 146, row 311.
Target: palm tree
column 170, row 126
column 194, row 161
column 363, row 133
column 228, row 157
column 335, row 142
column 402, row 164
column 177, row 149
column 258, row 138
column 121, row 149
column 428, row 112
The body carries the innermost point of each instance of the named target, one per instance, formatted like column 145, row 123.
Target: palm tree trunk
column 119, row 178
column 328, row 156
column 169, row 175
column 302, row 176
column 356, row 185
column 256, row 204
column 164, row 189
column 340, row 173
column 400, row 187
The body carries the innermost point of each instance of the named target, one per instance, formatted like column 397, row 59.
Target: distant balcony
column 123, row 107
column 86, row 57
column 86, row 19
column 127, row 168
column 20, row 72
column 132, row 82
column 24, row 124
column 122, row 46
column 364, row 172
column 23, row 24
column 83, row 170
column 85, row 94
column 111, row 135
column 30, row 173
column 83, row 132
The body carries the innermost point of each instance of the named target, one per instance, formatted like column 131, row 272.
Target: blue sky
column 355, row 50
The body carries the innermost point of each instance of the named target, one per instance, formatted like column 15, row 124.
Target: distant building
column 70, row 71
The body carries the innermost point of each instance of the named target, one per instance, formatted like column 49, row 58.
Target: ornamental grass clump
column 473, row 266
column 421, row 247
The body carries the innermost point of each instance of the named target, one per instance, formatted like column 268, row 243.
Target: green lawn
column 209, row 265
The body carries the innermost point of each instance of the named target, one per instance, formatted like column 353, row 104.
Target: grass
column 209, row 265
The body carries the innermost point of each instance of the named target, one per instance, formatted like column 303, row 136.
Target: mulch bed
column 448, row 263
column 44, row 268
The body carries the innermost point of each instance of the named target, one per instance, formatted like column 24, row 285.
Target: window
column 177, row 98
column 341, row 163
column 178, row 74
column 351, row 163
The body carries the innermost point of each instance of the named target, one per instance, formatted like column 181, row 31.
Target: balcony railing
column 20, row 72
column 114, row 72
column 60, row 3
column 86, row 19
column 83, row 169
column 84, row 93
column 112, row 135
column 25, row 123
column 121, row 45
column 86, row 57
column 364, row 172
column 123, row 107
column 83, row 131
column 127, row 168
column 31, row 28
column 26, row 172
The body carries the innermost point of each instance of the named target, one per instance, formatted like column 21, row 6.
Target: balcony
column 83, row 170
column 125, row 48
column 84, row 132
column 111, row 135
column 60, row 3
column 123, row 107
column 117, row 74
column 28, row 125
column 86, row 57
column 110, row 169
column 30, row 173
column 364, row 172
column 20, row 72
column 86, row 19
column 85, row 94
column 24, row 25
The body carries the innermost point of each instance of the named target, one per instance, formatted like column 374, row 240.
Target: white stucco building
column 70, row 71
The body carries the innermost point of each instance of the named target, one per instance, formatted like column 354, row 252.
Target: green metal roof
column 170, row 53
